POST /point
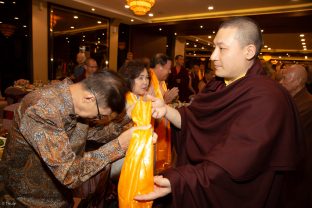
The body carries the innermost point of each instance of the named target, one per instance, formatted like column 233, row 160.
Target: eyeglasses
column 99, row 116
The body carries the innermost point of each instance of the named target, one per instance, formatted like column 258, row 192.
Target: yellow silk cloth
column 162, row 128
column 137, row 171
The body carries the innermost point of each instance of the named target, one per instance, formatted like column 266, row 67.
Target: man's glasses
column 107, row 118
column 99, row 116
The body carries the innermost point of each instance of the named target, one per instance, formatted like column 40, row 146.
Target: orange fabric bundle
column 162, row 128
column 137, row 171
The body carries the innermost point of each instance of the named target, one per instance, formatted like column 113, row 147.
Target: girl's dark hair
column 109, row 87
column 132, row 70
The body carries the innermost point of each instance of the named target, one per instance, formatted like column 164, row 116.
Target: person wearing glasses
column 45, row 154
column 89, row 67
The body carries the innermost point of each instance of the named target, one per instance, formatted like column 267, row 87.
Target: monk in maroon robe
column 240, row 141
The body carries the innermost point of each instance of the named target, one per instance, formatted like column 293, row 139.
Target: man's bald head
column 294, row 78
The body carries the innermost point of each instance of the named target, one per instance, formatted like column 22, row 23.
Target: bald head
column 294, row 78
column 248, row 32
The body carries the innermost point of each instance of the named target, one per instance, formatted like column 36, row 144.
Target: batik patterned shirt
column 45, row 158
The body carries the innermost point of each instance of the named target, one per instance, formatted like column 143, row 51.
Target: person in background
column 230, row 153
column 137, row 76
column 45, row 157
column 179, row 77
column 90, row 67
column 293, row 78
column 79, row 68
column 208, row 75
column 196, row 76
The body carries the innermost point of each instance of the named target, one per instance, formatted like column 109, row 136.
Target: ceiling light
column 127, row 6
column 72, row 27
column 75, row 17
column 16, row 18
column 265, row 46
column 213, row 32
column 196, row 40
column 301, row 35
column 187, row 43
column 306, row 57
column 262, row 30
column 160, row 29
column 132, row 20
column 24, row 25
column 201, row 26
column 305, row 49
column 93, row 9
column 1, row 2
column 209, row 36
column 83, row 36
column 303, row 43
column 150, row 14
column 140, row 7
column 269, row 48
column 279, row 57
column 210, row 8
column 14, row 2
column 302, row 39
column 99, row 22
column 175, row 33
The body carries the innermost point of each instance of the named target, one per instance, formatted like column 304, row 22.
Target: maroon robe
column 236, row 145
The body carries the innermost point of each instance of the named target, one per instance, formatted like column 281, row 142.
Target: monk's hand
column 158, row 107
column 162, row 187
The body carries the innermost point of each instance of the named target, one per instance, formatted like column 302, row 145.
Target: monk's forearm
column 173, row 116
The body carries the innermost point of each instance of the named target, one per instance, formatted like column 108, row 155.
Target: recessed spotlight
column 175, row 33
column 83, row 36
column 187, row 43
column 66, row 38
column 279, row 57
column 99, row 22
column 201, row 26
column 72, row 27
column 132, row 20
column 127, row 6
column 265, row 46
column 209, row 36
column 203, row 47
column 167, row 46
column 103, row 34
column 303, row 39
column 0, row 22
column 196, row 40
column 303, row 43
column 150, row 14
column 1, row 2
column 93, row 9
column 269, row 48
column 213, row 32
column 305, row 57
column 262, row 30
column 24, row 25
column 305, row 49
column 301, row 35
column 16, row 18
column 195, row 46
column 82, row 40
column 160, row 29
column 13, row 2
column 210, row 8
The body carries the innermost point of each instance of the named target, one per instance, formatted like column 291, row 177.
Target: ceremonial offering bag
column 137, row 171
